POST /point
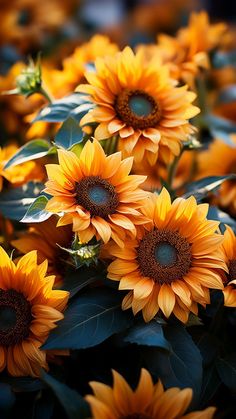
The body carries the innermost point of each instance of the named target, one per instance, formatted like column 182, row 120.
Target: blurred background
column 55, row 27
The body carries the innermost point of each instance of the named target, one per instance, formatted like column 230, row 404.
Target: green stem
column 46, row 94
column 173, row 168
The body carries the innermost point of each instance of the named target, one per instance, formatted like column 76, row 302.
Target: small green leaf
column 60, row 109
column 15, row 202
column 30, row 151
column 89, row 320
column 36, row 212
column 74, row 404
column 69, row 134
column 150, row 334
column 200, row 188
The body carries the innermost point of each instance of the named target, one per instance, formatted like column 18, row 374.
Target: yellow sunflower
column 220, row 159
column 147, row 401
column 96, row 194
column 20, row 174
column 74, row 66
column 170, row 267
column 137, row 100
column 187, row 52
column 229, row 248
column 46, row 238
column 29, row 309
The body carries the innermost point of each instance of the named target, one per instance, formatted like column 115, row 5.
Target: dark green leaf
column 215, row 213
column 182, row 367
column 36, row 212
column 23, row 384
column 69, row 134
column 7, row 398
column 150, row 334
column 15, row 202
column 32, row 150
column 201, row 188
column 222, row 59
column 78, row 279
column 73, row 403
column 227, row 94
column 221, row 128
column 227, row 370
column 89, row 320
column 59, row 110
column 210, row 385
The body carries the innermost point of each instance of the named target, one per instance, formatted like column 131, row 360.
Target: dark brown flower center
column 97, row 196
column 24, row 17
column 164, row 256
column 232, row 272
column 137, row 416
column 137, row 109
column 15, row 317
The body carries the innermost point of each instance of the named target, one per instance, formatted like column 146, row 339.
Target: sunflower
column 147, row 401
column 20, row 174
column 29, row 309
column 229, row 279
column 26, row 22
column 170, row 267
column 47, row 239
column 96, row 194
column 220, row 159
column 159, row 172
column 187, row 52
column 137, row 100
column 74, row 66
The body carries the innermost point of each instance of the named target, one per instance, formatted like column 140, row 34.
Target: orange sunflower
column 170, row 267
column 20, row 174
column 220, row 159
column 47, row 238
column 187, row 52
column 147, row 401
column 29, row 309
column 137, row 100
column 229, row 248
column 74, row 66
column 96, row 194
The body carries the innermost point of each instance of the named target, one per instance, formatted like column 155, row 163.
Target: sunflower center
column 232, row 270
column 24, row 17
column 97, row 196
column 15, row 317
column 137, row 109
column 164, row 256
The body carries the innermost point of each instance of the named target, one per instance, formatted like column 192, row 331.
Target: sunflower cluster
column 117, row 220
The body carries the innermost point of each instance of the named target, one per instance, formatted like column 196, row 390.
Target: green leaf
column 182, row 366
column 23, row 384
column 15, row 202
column 150, row 334
column 74, row 404
column 89, row 320
column 60, row 110
column 7, row 398
column 36, row 212
column 200, row 188
column 220, row 128
column 69, row 134
column 30, row 151
column 78, row 279
column 222, row 59
column 226, row 369
column 210, row 385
